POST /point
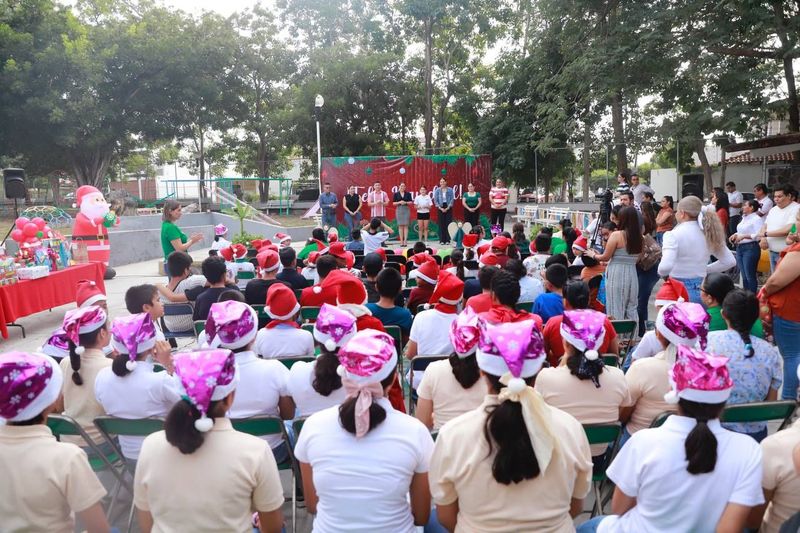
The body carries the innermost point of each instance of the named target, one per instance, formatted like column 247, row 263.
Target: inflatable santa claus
column 92, row 223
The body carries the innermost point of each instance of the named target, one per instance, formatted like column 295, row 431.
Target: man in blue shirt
column 551, row 303
column 327, row 203
column 443, row 198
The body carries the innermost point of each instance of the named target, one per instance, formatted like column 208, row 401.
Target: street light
column 319, row 101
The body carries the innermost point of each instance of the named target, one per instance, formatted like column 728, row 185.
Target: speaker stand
column 16, row 216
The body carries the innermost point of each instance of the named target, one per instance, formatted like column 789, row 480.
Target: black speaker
column 693, row 185
column 14, row 182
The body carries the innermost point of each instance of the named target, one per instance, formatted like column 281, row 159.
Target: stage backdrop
column 414, row 171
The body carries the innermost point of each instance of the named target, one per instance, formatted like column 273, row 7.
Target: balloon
column 47, row 231
column 30, row 229
column 21, row 221
column 39, row 221
column 17, row 235
column 39, row 234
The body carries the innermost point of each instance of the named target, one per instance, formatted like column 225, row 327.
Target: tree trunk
column 791, row 90
column 428, row 130
column 263, row 166
column 700, row 149
column 587, row 163
column 91, row 167
column 617, row 122
column 203, row 167
column 403, row 145
column 55, row 186
column 547, row 189
column 441, row 122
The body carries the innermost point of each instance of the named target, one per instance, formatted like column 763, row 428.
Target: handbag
column 650, row 254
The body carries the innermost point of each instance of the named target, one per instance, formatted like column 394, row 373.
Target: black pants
column 473, row 217
column 732, row 223
column 498, row 217
column 445, row 217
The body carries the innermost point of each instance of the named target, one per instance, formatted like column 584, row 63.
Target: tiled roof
column 746, row 158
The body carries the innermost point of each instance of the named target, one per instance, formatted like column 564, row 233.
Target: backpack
column 650, row 254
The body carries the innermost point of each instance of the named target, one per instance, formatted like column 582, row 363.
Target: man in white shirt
column 735, row 199
column 762, row 196
column 638, row 189
column 779, row 222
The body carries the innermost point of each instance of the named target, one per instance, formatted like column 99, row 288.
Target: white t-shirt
column 373, row 242
column 307, row 400
column 529, row 289
column 220, row 244
column 647, row 347
column 183, row 322
column 534, row 264
column 765, row 204
column 261, row 384
column 363, row 484
column 430, row 330
column 141, row 394
column 735, row 197
column 310, row 273
column 235, row 268
column 778, row 218
column 651, row 467
column 284, row 341
column 423, row 203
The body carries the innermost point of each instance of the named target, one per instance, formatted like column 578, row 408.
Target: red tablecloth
column 33, row 296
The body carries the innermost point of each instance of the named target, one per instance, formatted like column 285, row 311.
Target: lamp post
column 319, row 101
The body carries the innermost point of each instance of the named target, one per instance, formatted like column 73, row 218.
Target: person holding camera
column 443, row 198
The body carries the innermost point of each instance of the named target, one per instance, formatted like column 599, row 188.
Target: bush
column 245, row 238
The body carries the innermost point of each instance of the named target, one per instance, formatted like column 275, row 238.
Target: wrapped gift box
column 33, row 272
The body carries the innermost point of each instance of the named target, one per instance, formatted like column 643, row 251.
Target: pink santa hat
column 515, row 347
column 83, row 320
column 29, row 384
column 57, row 346
column 133, row 335
column 334, row 327
column 220, row 230
column 230, row 325
column 698, row 376
column 206, row 376
column 585, row 330
column 684, row 324
column 464, row 333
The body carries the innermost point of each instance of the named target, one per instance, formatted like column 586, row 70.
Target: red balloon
column 30, row 229
column 31, row 240
column 21, row 221
column 47, row 230
column 40, row 222
column 17, row 235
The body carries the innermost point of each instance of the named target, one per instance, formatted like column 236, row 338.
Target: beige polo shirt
column 43, row 481
column 580, row 398
column 461, row 470
column 781, row 476
column 216, row 488
column 79, row 400
column 449, row 398
column 648, row 382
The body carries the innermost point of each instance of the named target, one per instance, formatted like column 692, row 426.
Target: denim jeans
column 787, row 337
column 647, row 280
column 693, row 288
column 329, row 219
column 747, row 257
column 591, row 525
column 773, row 260
column 660, row 238
column 352, row 222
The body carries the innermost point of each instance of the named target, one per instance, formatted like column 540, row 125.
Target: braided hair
column 740, row 307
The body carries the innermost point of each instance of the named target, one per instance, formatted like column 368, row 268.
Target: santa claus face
column 94, row 206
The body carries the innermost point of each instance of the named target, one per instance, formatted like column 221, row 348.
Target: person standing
column 647, row 278
column 423, row 205
column 352, row 209
column 472, row 204
column 443, row 197
column 778, row 222
column 735, row 201
column 327, row 203
column 719, row 200
column 665, row 219
column 377, row 201
column 639, row 189
column 172, row 238
column 747, row 250
column 402, row 199
column 622, row 183
column 498, row 201
column 765, row 203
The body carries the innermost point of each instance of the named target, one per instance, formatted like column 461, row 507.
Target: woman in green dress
column 172, row 238
column 472, row 205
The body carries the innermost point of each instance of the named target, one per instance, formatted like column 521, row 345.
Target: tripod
column 16, row 216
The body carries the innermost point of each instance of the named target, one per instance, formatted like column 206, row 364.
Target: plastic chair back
column 309, row 313
column 760, row 412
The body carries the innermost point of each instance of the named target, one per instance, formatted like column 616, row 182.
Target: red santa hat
column 501, row 243
column 333, row 235
column 88, row 294
column 268, row 260
column 283, row 239
column 671, row 291
column 351, row 259
column 448, row 292
column 489, row 259
column 381, row 252
column 351, row 295
column 427, row 271
column 281, row 302
column 421, row 259
column 227, row 254
column 336, row 249
column 85, row 192
column 483, row 248
column 470, row 240
column 580, row 244
column 239, row 251
column 312, row 259
column 256, row 244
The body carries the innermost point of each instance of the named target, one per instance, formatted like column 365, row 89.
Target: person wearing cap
column 426, row 275
column 199, row 473
column 365, row 465
column 315, row 295
column 531, row 458
column 44, row 481
column 581, row 384
column 130, row 387
column 56, row 345
column 337, row 250
column 220, row 242
column 505, row 292
column 282, row 336
column 284, row 240
column 315, row 243
column 88, row 293
column 499, row 248
column 671, row 291
column 677, row 324
column 591, row 267
column 453, row 386
column 235, row 261
column 255, row 292
column 714, row 475
column 309, row 271
column 87, row 333
column 427, row 336
column 482, row 302
column 316, row 385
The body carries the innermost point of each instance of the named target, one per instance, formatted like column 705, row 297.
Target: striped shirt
column 499, row 197
column 377, row 210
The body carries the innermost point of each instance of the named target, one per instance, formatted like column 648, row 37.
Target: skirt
column 403, row 215
column 423, row 216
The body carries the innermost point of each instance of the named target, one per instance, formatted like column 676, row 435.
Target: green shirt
column 718, row 323
column 558, row 246
column 472, row 201
column 307, row 249
column 170, row 232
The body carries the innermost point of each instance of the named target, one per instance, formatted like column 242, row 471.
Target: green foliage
column 245, row 238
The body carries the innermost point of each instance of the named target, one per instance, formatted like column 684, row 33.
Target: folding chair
column 246, row 275
column 263, row 317
column 309, row 314
column 626, row 333
column 110, row 425
column 308, row 327
column 392, row 264
column 406, row 293
column 399, row 259
column 63, row 425
column 411, row 283
column 199, row 326
column 525, row 306
column 176, row 309
column 288, row 362
column 298, row 293
column 602, row 434
column 610, row 359
column 661, row 418
column 262, row 426
column 760, row 412
column 471, row 264
column 418, row 364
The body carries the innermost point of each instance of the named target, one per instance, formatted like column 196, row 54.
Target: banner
column 414, row 171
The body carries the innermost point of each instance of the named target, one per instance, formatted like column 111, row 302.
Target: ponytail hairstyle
column 85, row 339
column 469, row 254
column 583, row 368
column 718, row 286
column 457, row 260
column 515, row 460
column 326, row 379
column 179, row 425
column 741, row 310
column 701, row 444
column 712, row 228
column 377, row 414
column 465, row 370
column 120, row 365
column 518, row 232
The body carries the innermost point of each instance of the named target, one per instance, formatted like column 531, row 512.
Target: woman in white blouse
column 423, row 204
column 688, row 248
column 748, row 252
